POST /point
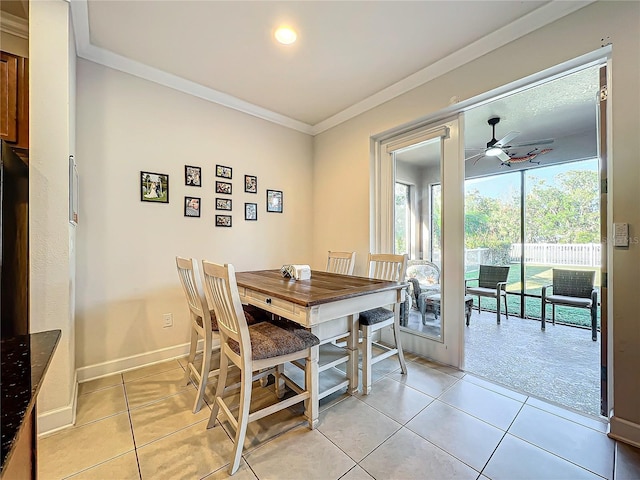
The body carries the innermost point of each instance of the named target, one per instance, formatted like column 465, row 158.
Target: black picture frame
column 224, row 188
column 223, row 221
column 223, row 171
column 274, row 201
column 192, row 176
column 251, row 212
column 250, row 184
column 154, row 187
column 223, row 204
column 192, row 206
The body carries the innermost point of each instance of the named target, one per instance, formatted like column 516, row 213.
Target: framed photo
column 250, row 184
column 223, row 172
column 223, row 220
column 223, row 204
column 251, row 211
column 191, row 206
column 274, row 201
column 154, row 187
column 192, row 176
column 223, row 187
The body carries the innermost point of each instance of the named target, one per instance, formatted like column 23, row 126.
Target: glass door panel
column 492, row 228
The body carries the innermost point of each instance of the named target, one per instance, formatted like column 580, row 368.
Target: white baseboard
column 53, row 420
column 119, row 365
column 624, row 431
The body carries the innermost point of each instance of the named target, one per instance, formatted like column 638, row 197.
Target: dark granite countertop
column 24, row 361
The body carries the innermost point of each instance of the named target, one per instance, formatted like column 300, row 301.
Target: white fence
column 579, row 254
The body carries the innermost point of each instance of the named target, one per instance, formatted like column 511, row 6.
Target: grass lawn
column 536, row 276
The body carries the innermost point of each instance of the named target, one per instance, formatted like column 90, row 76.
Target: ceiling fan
column 499, row 148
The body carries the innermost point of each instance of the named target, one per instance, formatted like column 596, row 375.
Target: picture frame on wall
column 250, row 184
column 223, row 187
column 223, row 172
column 154, row 187
column 223, row 220
column 192, row 176
column 251, row 211
column 274, row 201
column 223, row 204
column 192, row 206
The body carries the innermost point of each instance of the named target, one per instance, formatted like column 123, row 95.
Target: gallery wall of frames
column 155, row 188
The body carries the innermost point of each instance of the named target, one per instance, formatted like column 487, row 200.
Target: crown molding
column 540, row 17
column 14, row 25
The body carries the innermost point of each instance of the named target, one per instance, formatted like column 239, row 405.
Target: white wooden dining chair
column 382, row 267
column 341, row 262
column 201, row 328
column 263, row 348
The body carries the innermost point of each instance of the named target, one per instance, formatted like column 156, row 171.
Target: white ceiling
column 350, row 55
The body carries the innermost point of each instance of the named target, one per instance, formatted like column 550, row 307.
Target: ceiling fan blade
column 503, row 157
column 544, row 141
column 507, row 138
column 474, row 156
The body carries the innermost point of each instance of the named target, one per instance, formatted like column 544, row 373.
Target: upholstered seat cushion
column 570, row 301
column 272, row 339
column 251, row 313
column 375, row 315
column 485, row 292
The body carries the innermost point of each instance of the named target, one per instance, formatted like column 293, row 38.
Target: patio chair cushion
column 273, row 339
column 570, row 301
column 483, row 291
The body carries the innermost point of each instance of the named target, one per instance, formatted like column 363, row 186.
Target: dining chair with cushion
column 263, row 349
column 382, row 267
column 204, row 327
column 572, row 288
column 492, row 282
column 201, row 328
column 341, row 262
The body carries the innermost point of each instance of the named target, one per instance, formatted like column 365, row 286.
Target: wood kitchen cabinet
column 14, row 100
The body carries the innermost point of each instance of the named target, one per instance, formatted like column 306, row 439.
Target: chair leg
column 594, row 323
column 396, row 335
column 506, row 311
column 498, row 309
column 222, row 381
column 193, row 345
column 366, row 359
column 553, row 313
column 543, row 315
column 243, row 419
column 279, row 381
column 204, row 376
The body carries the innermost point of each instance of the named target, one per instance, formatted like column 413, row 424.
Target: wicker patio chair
column 572, row 288
column 492, row 282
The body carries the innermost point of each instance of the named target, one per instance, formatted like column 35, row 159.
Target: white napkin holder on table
column 297, row 272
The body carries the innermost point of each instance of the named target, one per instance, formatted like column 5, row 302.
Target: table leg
column 352, row 347
column 312, row 385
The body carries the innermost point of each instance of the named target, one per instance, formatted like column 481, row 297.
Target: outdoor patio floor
column 561, row 364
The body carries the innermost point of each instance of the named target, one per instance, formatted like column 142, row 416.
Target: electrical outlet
column 167, row 320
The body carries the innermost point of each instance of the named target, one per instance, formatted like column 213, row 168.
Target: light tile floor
column 434, row 423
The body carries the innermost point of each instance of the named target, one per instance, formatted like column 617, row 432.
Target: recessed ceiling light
column 286, row 35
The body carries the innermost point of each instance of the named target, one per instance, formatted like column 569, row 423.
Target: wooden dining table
column 328, row 304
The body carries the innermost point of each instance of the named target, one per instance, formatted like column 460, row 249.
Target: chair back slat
column 341, row 262
column 386, row 266
column 573, row 283
column 187, row 273
column 221, row 292
column 491, row 275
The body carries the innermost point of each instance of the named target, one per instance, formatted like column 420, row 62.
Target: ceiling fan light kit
column 499, row 148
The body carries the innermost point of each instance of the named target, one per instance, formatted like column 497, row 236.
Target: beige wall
column 126, row 248
column 342, row 160
column 52, row 70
